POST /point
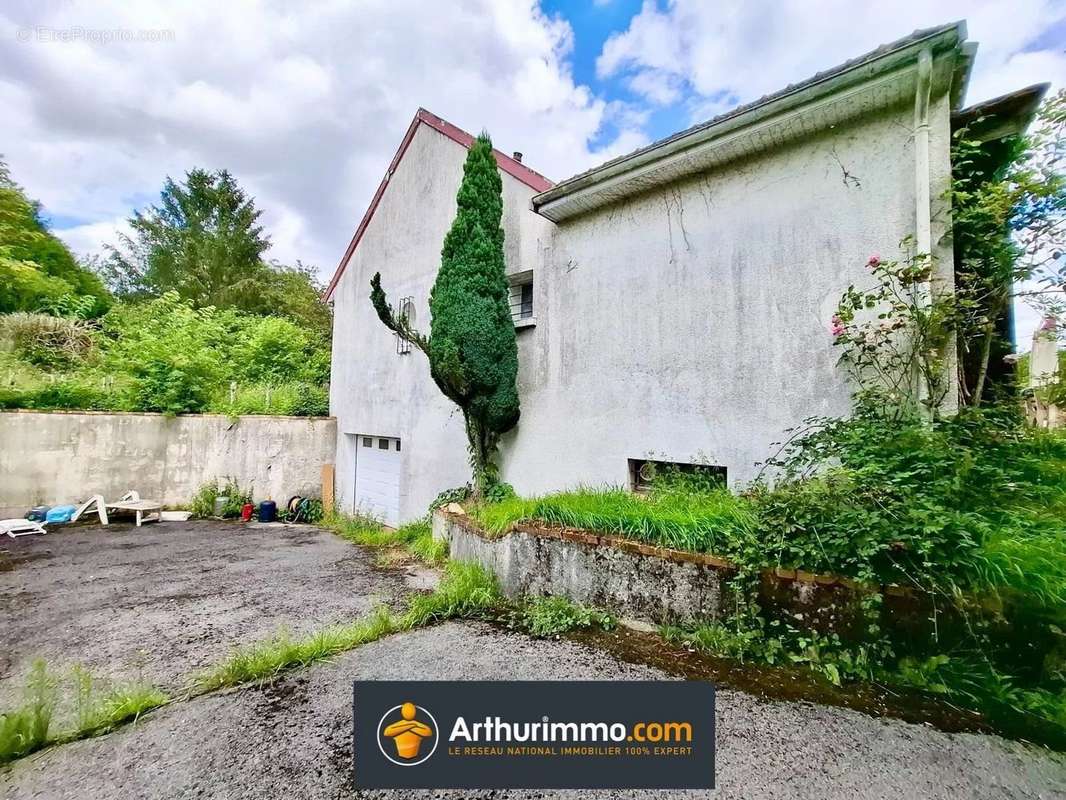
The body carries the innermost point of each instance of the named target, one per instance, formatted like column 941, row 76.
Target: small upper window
column 383, row 444
column 368, row 442
column 397, row 445
column 521, row 298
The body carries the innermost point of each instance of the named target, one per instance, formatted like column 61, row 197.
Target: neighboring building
column 673, row 304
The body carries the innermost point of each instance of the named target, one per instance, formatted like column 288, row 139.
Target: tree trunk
column 982, row 369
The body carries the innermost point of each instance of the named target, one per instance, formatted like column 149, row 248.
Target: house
column 671, row 305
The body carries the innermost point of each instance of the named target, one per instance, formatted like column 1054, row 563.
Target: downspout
column 923, row 236
column 922, row 221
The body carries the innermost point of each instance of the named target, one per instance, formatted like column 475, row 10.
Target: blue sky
column 306, row 109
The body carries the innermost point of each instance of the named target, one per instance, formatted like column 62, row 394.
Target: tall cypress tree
column 473, row 354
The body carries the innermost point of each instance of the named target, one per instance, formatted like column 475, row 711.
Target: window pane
column 397, row 445
column 527, row 301
column 383, row 444
column 367, row 442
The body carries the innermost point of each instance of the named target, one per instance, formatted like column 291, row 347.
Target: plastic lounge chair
column 20, row 527
column 96, row 502
column 145, row 510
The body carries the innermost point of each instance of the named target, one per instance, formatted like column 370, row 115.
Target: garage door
column 377, row 478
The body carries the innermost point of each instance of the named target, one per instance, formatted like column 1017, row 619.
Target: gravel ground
column 293, row 739
column 166, row 599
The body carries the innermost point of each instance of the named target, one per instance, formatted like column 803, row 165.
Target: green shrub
column 47, row 341
column 552, row 616
column 202, row 505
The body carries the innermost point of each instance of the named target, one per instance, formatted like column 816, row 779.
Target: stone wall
column 63, row 457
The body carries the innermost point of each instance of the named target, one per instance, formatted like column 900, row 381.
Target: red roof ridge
column 516, row 169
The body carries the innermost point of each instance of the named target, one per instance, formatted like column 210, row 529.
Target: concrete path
column 293, row 739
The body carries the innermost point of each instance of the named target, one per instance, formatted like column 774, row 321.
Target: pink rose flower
column 837, row 325
column 874, row 261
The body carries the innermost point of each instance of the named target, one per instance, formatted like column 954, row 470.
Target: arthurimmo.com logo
column 407, row 734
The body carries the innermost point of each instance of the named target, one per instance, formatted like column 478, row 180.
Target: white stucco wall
column 373, row 390
column 64, row 457
column 692, row 324
column 689, row 324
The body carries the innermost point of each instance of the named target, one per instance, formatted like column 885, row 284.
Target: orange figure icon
column 408, row 733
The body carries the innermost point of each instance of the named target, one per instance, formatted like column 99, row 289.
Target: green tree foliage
column 473, row 354
column 1009, row 229
column 203, row 241
column 37, row 271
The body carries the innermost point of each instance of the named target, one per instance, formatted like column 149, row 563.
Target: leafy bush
column 45, row 340
column 975, row 500
column 552, row 616
column 203, row 502
column 457, row 495
column 164, row 355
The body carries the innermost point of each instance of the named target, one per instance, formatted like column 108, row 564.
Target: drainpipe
column 922, row 223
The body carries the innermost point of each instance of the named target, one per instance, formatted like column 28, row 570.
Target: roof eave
column 549, row 203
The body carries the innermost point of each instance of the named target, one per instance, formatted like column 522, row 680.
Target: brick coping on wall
column 595, row 539
column 94, row 412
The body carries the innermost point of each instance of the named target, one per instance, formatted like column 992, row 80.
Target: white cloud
column 748, row 49
column 657, row 86
column 735, row 51
column 304, row 105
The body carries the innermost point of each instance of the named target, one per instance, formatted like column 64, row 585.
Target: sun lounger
column 96, row 502
column 20, row 527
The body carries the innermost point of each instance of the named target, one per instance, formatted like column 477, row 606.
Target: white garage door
column 377, row 478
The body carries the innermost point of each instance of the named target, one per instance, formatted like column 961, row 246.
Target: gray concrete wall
column 55, row 457
column 626, row 581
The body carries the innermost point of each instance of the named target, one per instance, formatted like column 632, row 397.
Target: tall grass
column 265, row 660
column 101, row 705
column 415, row 537
column 96, row 706
column 466, row 590
column 704, row 521
column 25, row 729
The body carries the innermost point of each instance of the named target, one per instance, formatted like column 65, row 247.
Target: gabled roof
column 559, row 202
column 516, row 169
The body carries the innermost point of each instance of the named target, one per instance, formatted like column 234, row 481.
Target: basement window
column 644, row 472
column 521, row 299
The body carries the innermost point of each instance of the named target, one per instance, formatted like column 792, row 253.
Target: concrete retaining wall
column 53, row 457
column 660, row 585
column 626, row 577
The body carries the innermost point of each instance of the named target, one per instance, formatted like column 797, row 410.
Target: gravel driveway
column 166, row 599
column 293, row 739
column 185, row 594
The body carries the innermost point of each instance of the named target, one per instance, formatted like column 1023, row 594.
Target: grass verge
column 697, row 521
column 415, row 538
column 96, row 706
